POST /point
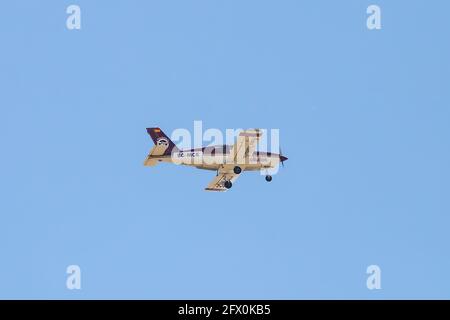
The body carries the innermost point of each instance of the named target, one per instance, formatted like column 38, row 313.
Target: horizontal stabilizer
column 158, row 150
column 150, row 162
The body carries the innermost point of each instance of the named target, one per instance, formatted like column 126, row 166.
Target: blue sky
column 363, row 117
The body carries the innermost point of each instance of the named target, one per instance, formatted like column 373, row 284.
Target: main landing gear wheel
column 237, row 170
column 228, row 184
column 268, row 178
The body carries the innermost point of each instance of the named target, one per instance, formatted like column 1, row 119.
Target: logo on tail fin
column 162, row 142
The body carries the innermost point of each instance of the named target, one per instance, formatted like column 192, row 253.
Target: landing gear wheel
column 268, row 178
column 237, row 170
column 228, row 184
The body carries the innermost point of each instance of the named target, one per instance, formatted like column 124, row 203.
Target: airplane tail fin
column 163, row 145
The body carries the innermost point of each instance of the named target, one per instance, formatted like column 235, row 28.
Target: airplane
column 229, row 161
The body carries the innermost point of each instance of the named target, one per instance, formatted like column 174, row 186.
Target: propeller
column 282, row 158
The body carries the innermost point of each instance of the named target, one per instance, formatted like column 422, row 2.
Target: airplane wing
column 245, row 146
column 226, row 173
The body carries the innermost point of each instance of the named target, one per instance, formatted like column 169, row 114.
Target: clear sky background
column 363, row 117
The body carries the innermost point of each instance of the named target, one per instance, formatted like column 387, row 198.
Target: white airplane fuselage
column 214, row 158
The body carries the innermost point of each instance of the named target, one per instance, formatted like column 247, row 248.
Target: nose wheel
column 268, row 178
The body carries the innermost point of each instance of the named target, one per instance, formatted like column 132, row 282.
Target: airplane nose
column 283, row 158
